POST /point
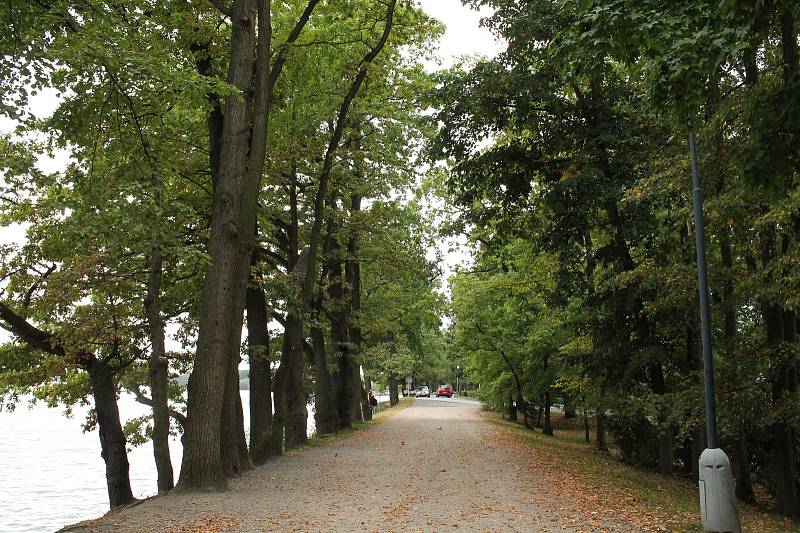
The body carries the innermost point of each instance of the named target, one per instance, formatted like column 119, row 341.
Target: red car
column 444, row 390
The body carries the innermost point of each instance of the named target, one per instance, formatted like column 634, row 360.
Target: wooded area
column 227, row 160
column 571, row 174
column 244, row 166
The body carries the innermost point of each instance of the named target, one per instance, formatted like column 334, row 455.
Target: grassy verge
column 604, row 487
column 323, row 440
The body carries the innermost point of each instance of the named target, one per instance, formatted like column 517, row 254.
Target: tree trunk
column 235, row 456
column 539, row 411
column 741, row 464
column 158, row 370
column 366, row 407
column 394, row 396
column 601, row 432
column 261, row 444
column 586, row 429
column 348, row 390
column 112, row 438
column 233, row 441
column 569, row 408
column 325, row 413
column 290, row 400
column 665, row 444
column 782, row 433
column 547, row 428
column 241, row 159
column 352, row 271
column 666, row 456
column 512, row 408
column 315, row 236
column 741, row 469
column 358, row 395
column 524, row 406
column 293, row 413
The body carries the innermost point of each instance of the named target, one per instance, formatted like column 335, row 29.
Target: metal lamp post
column 717, row 494
column 458, row 371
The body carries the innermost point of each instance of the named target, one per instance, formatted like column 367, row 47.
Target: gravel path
column 435, row 466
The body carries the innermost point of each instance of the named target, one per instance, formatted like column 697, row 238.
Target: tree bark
column 601, row 432
column 352, row 272
column 290, row 400
column 586, row 429
column 242, row 152
column 158, row 367
column 741, row 469
column 394, row 396
column 357, row 395
column 547, row 427
column 348, row 391
column 292, row 410
column 230, row 242
column 524, row 406
column 112, row 438
column 782, row 433
column 569, row 408
column 325, row 414
column 512, row 407
column 261, row 423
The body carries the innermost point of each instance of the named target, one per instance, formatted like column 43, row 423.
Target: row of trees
column 227, row 159
column 571, row 175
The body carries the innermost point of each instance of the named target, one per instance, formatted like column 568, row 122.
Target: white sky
column 463, row 37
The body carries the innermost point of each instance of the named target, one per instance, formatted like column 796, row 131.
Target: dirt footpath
column 435, row 466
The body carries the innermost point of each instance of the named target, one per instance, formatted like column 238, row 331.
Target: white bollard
column 717, row 493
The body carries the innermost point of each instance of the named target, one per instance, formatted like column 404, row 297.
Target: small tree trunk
column 158, row 369
column 782, row 433
column 394, row 396
column 601, row 431
column 294, row 415
column 665, row 451
column 356, row 397
column 547, row 429
column 512, row 408
column 741, row 469
column 366, row 407
column 569, row 408
column 586, row 429
column 344, row 391
column 524, row 406
column 112, row 438
column 352, row 272
column 233, row 463
column 698, row 440
column 539, row 411
column 261, row 444
column 324, row 402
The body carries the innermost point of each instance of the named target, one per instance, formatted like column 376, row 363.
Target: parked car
column 422, row 392
column 444, row 390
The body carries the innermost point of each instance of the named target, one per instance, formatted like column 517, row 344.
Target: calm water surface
column 51, row 473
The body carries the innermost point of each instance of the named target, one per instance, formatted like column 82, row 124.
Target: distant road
column 435, row 466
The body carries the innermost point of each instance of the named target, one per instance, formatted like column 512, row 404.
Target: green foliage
column 568, row 160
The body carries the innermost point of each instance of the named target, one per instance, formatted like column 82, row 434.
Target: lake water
column 51, row 473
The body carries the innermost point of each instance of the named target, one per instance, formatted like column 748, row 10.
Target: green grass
column 670, row 502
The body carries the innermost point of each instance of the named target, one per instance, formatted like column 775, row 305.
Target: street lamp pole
column 717, row 495
column 702, row 282
column 458, row 371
